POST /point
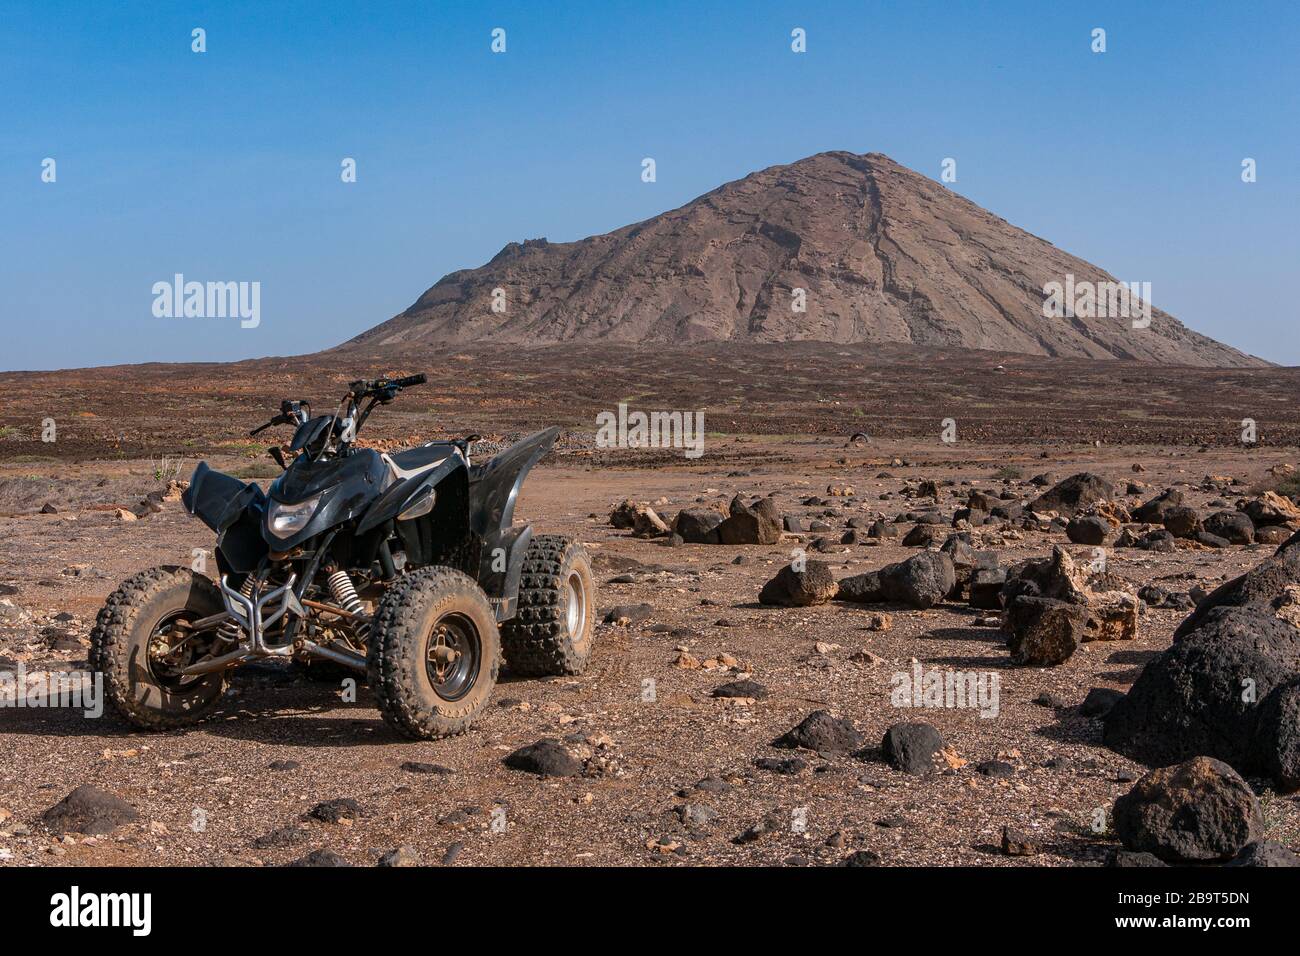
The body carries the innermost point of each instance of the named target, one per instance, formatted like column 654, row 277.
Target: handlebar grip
column 408, row 381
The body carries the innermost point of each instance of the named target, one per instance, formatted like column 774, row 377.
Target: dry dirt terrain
column 238, row 788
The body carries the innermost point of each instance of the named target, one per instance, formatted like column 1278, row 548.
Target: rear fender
column 494, row 487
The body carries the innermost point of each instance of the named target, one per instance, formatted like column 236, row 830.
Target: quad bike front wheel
column 139, row 644
column 434, row 653
column 551, row 633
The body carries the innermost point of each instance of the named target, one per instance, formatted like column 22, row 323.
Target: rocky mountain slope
column 883, row 254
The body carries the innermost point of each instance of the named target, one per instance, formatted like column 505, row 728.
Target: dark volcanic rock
column 698, row 525
column 1189, row 700
column 986, row 588
column 333, row 811
column 1182, row 521
column 89, row 810
column 912, row 748
column 1127, row 858
column 547, row 758
column 1265, row 853
column 1266, row 586
column 633, row 613
column 815, row 584
column 1044, row 632
column 741, row 688
column 1088, row 529
column 823, row 733
column 320, row 858
column 1278, row 736
column 1074, row 494
column 1153, row 512
column 1099, row 701
column 747, row 526
column 1233, row 526
column 921, row 581
column 1018, row 843
column 1193, row 812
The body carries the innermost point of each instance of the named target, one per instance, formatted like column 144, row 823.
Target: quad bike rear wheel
column 552, row 632
column 434, row 653
column 139, row 644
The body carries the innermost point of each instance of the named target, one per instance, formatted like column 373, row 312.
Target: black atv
column 406, row 567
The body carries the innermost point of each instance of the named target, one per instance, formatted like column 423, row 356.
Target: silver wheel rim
column 575, row 614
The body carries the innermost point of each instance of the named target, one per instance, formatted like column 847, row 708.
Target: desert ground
column 669, row 777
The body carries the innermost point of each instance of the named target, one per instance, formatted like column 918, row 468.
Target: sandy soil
column 624, row 810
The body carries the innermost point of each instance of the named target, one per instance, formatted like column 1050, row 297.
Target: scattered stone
column 1043, row 632
column 861, row 858
column 998, row 769
column 453, row 851
column 815, row 584
column 1099, row 701
column 1233, row 526
column 282, row 837
column 1088, row 529
column 698, row 525
column 986, row 588
column 335, row 811
column 91, row 811
column 403, row 856
column 744, row 525
column 1265, row 853
column 750, row 689
column 547, row 758
column 788, row 766
column 913, row 748
column 1127, row 858
column 1074, row 494
column 1018, row 843
column 416, row 766
column 1153, row 512
column 921, row 581
column 696, row 814
column 321, row 858
column 624, row 614
column 1270, row 508
column 1188, row 701
column 1182, row 521
column 772, row 823
column 823, row 733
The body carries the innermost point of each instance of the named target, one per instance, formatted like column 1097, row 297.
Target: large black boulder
column 1197, row 811
column 1203, row 695
column 1264, row 586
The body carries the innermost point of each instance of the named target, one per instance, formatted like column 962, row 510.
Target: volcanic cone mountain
column 883, row 254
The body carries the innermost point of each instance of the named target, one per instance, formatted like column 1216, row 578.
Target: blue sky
column 225, row 165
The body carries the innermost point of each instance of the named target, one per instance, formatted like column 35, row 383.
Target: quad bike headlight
column 287, row 520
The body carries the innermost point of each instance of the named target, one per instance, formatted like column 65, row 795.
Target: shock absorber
column 229, row 631
column 345, row 594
